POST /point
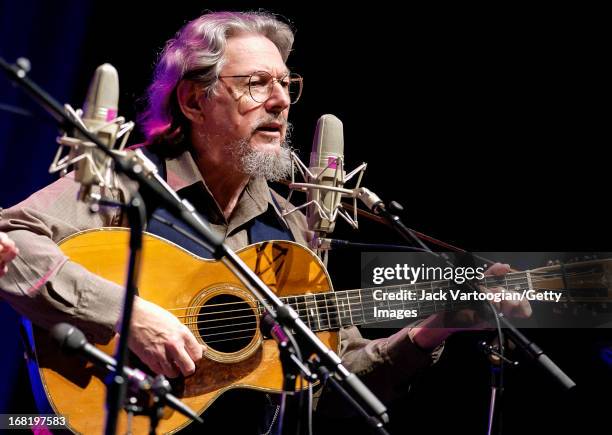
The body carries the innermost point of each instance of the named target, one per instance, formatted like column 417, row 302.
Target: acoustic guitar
column 224, row 316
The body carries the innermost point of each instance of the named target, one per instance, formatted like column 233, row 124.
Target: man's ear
column 188, row 97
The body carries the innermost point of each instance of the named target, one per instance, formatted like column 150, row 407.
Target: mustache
column 280, row 119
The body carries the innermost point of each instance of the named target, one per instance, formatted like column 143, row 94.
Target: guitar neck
column 334, row 310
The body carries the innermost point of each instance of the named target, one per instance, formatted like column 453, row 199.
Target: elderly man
column 217, row 124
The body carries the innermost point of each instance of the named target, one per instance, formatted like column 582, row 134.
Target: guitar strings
column 426, row 309
column 251, row 336
column 368, row 304
column 426, row 286
column 330, row 326
column 333, row 310
column 231, row 331
column 515, row 282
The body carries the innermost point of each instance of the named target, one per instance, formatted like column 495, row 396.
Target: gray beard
column 266, row 164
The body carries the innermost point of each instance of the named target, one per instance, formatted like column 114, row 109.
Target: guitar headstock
column 584, row 281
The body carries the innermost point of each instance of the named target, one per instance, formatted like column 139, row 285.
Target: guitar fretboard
column 334, row 310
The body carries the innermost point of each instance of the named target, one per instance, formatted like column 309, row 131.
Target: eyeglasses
column 261, row 84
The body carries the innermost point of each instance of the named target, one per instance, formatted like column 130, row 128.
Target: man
column 217, row 122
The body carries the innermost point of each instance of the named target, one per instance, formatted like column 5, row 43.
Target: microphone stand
column 72, row 341
column 151, row 185
column 496, row 359
column 136, row 213
column 397, row 208
column 291, row 362
column 533, row 351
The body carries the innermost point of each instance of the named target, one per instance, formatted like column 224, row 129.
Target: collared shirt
column 45, row 286
column 183, row 176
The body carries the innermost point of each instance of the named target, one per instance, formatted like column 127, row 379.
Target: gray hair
column 197, row 52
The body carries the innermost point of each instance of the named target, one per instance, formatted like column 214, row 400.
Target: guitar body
column 205, row 296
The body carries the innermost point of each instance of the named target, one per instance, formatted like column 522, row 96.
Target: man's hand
column 512, row 308
column 8, row 251
column 162, row 342
column 436, row 328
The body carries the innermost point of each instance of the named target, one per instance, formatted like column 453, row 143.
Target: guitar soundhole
column 227, row 323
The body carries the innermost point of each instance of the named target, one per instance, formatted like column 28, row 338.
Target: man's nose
column 279, row 99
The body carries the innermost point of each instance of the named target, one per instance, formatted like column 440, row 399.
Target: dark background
column 486, row 122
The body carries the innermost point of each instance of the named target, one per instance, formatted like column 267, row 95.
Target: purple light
column 606, row 355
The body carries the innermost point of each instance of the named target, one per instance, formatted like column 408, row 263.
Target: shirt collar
column 182, row 173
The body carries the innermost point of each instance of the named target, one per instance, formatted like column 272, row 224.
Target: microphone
column 99, row 117
column 270, row 328
column 72, row 341
column 325, row 181
column 326, row 169
column 287, row 345
column 100, row 108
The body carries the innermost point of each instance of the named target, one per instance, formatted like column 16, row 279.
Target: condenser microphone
column 325, row 183
column 94, row 168
column 327, row 169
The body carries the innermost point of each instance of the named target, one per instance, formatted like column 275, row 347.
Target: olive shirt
column 45, row 286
